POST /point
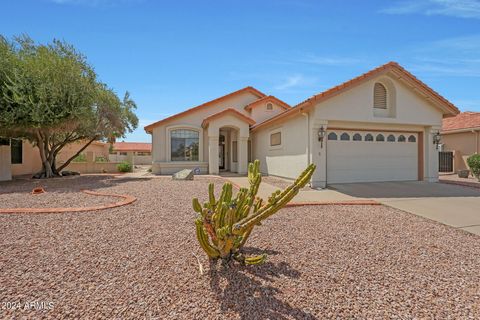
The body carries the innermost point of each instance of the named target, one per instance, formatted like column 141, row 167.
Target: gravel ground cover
column 138, row 261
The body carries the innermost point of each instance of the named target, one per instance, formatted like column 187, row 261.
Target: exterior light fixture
column 436, row 139
column 321, row 136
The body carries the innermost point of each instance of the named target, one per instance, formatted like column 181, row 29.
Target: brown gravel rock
column 138, row 261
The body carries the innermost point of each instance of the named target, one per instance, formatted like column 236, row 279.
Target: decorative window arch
column 332, row 136
column 368, row 137
column 357, row 137
column 345, row 137
column 379, row 96
column 412, row 138
column 401, row 138
column 380, row 137
column 391, row 138
column 184, row 143
column 269, row 106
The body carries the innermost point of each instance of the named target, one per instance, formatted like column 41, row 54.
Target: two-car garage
column 364, row 156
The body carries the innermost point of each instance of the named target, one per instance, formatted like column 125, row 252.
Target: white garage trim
column 373, row 155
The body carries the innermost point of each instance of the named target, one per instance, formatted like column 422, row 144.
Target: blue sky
column 173, row 55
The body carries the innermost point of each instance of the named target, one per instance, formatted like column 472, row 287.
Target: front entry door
column 221, row 156
column 221, row 153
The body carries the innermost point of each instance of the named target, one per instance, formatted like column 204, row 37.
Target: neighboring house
column 133, row 152
column 461, row 136
column 379, row 126
column 20, row 157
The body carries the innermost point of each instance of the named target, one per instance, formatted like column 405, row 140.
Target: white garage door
column 354, row 156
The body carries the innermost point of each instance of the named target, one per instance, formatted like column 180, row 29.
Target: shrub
column 124, row 167
column 474, row 164
column 80, row 158
column 101, row 159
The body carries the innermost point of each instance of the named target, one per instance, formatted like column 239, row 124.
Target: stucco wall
column 463, row 144
column 356, row 104
column 260, row 113
column 31, row 162
column 290, row 158
column 5, row 171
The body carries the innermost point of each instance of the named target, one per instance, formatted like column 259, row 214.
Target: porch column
column 319, row 154
column 213, row 154
column 431, row 155
column 5, row 165
column 242, row 155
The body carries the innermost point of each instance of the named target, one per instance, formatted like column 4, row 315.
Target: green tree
column 51, row 96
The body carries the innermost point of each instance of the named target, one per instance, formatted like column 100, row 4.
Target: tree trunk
column 46, row 171
column 48, row 155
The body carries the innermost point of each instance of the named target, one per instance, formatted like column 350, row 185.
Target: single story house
column 379, row 126
column 461, row 139
column 133, row 152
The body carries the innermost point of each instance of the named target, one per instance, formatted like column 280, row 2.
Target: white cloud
column 454, row 8
column 453, row 57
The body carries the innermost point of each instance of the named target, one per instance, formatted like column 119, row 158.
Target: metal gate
column 445, row 161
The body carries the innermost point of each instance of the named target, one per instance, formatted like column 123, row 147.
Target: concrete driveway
column 452, row 205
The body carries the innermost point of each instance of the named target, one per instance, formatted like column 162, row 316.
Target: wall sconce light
column 436, row 139
column 321, row 136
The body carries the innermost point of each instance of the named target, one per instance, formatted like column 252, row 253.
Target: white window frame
column 168, row 140
column 266, row 106
column 270, row 133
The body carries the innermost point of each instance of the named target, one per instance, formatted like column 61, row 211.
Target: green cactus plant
column 223, row 225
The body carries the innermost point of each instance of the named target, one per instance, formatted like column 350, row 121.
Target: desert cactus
column 224, row 224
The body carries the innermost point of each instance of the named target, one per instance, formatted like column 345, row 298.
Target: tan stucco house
column 379, row 126
column 20, row 157
column 136, row 153
column 461, row 137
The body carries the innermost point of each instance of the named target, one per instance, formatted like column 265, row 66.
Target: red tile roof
column 231, row 111
column 256, row 92
column 273, row 99
column 392, row 67
column 132, row 146
column 464, row 120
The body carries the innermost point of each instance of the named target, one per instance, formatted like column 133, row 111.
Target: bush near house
column 80, row 158
column 124, row 167
column 474, row 164
column 101, row 159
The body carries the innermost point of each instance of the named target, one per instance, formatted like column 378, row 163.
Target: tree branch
column 76, row 154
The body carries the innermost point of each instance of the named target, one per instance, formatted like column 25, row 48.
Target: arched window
column 332, row 136
column 184, row 145
column 345, row 137
column 269, row 106
column 412, row 138
column 391, row 138
column 401, row 138
column 379, row 96
column 357, row 137
column 368, row 137
column 380, row 137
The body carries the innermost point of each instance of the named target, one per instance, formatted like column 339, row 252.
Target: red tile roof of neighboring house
column 273, row 99
column 256, row 92
column 392, row 67
column 231, row 111
column 464, row 120
column 132, row 146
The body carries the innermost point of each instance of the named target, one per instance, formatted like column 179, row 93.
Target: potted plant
column 463, row 173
